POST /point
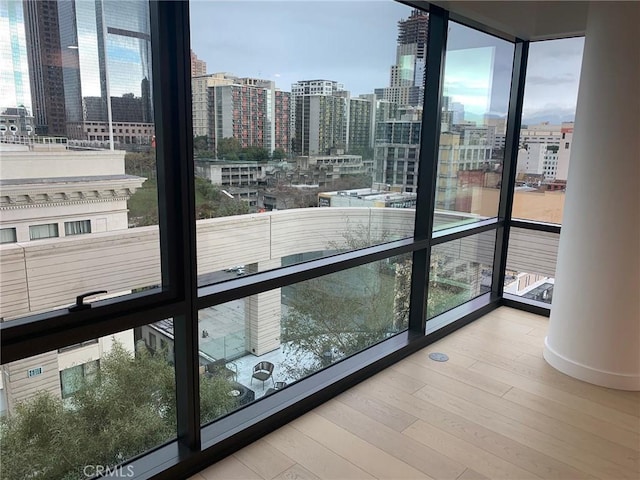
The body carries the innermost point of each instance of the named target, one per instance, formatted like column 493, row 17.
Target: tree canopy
column 337, row 315
column 126, row 410
column 212, row 202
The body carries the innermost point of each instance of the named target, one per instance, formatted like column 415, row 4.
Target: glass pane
column 36, row 232
column 291, row 123
column 531, row 264
column 550, row 97
column 255, row 346
column 78, row 227
column 474, row 111
column 77, row 150
column 85, row 408
column 460, row 270
column 8, row 235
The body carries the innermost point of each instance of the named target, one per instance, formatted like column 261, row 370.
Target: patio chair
column 263, row 371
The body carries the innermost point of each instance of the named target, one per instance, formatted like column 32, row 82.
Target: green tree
column 201, row 146
column 336, row 316
column 229, row 149
column 278, row 154
column 143, row 205
column 141, row 164
column 128, row 409
column 211, row 202
column 255, row 154
column 331, row 317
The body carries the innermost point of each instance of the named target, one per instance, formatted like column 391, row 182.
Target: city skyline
column 359, row 51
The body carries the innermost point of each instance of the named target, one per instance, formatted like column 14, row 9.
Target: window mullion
column 428, row 163
column 176, row 199
column 512, row 140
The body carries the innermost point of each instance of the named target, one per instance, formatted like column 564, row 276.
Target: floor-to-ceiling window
column 542, row 167
column 274, row 208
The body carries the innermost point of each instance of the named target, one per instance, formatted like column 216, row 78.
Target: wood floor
column 495, row 410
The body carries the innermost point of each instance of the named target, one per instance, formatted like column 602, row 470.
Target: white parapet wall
column 38, row 276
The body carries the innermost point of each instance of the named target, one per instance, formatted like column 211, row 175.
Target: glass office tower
column 106, row 57
column 15, row 96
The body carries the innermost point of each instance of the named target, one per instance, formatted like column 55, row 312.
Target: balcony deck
column 494, row 410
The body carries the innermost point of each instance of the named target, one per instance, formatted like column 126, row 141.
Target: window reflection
column 258, row 345
column 460, row 270
column 304, row 150
column 477, row 83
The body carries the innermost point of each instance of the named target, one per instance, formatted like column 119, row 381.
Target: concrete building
column 251, row 110
column 58, row 193
column 15, row 122
column 361, row 113
column 202, row 102
column 397, row 149
column 593, row 333
column 241, row 112
column 316, row 87
column 321, row 123
column 463, row 147
column 230, row 174
column 539, row 159
column 198, row 67
column 338, row 165
column 564, row 152
column 367, row 197
column 48, row 193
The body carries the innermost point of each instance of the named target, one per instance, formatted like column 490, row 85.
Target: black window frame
column 180, row 298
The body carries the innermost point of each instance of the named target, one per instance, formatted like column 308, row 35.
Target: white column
column 594, row 330
column 263, row 315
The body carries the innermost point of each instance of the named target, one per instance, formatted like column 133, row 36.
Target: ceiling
column 528, row 20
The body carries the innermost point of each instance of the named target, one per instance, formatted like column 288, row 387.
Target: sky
column 354, row 42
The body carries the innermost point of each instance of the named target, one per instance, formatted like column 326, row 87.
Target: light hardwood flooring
column 495, row 410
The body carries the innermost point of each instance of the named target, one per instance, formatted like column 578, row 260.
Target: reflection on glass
column 547, row 129
column 278, row 134
column 531, row 264
column 533, row 286
column 98, row 403
column 255, row 346
column 474, row 110
column 85, row 136
column 460, row 270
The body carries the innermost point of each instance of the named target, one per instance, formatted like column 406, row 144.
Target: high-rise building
column 319, row 116
column 564, row 151
column 15, row 94
column 397, row 152
column 202, row 102
column 316, row 87
column 462, row 148
column 406, row 83
column 45, row 66
column 198, row 67
column 360, row 113
column 106, row 58
column 282, row 116
column 251, row 110
column 321, row 124
column 239, row 112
